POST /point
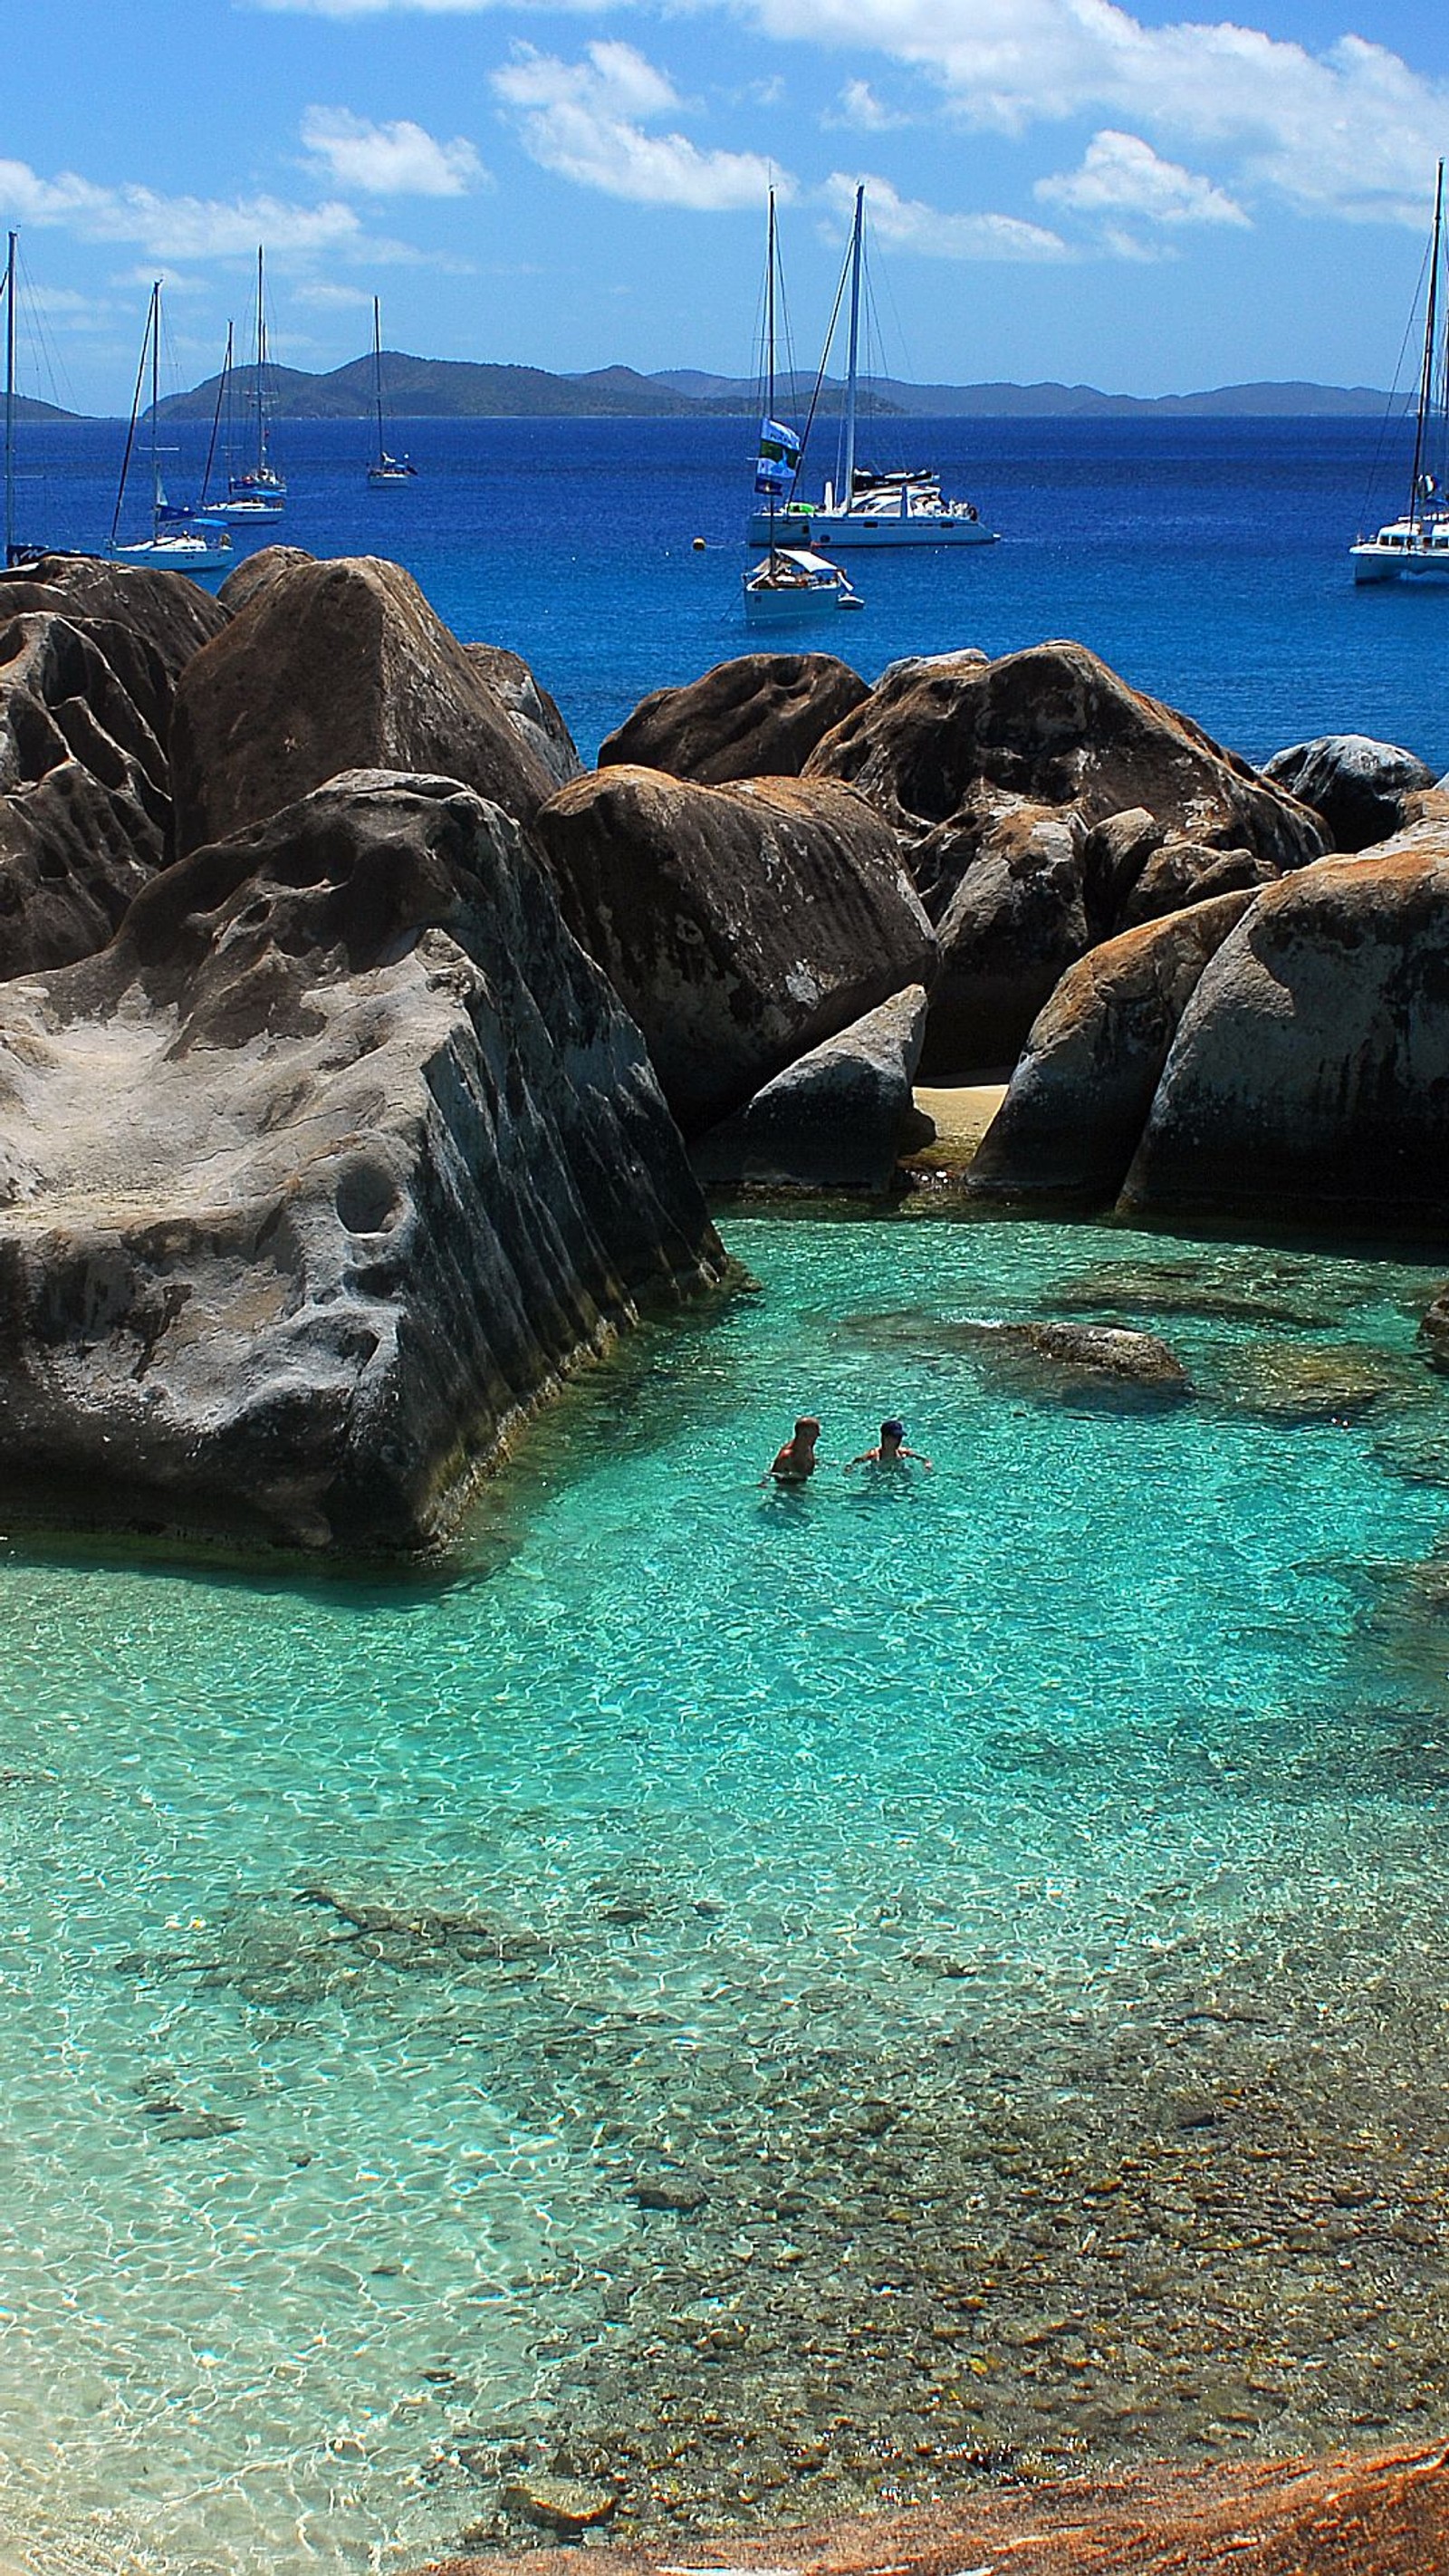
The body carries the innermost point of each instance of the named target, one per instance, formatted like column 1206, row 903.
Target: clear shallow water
column 1015, row 1897
column 1207, row 560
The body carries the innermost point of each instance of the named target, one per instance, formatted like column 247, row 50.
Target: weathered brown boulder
column 1310, row 1074
column 84, row 808
column 375, row 1155
column 759, row 716
column 1052, row 726
column 1358, row 786
column 1016, row 922
column 255, row 572
column 740, row 925
column 1180, row 873
column 1078, row 1101
column 331, row 667
column 533, row 714
column 168, row 613
column 837, row 1119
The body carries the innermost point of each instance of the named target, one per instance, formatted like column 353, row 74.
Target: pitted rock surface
column 165, row 611
column 759, row 716
column 740, row 925
column 84, row 807
column 331, row 667
column 313, row 1182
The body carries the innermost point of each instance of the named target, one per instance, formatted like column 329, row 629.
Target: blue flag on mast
column 778, row 459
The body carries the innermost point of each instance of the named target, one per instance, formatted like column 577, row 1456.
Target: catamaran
column 794, row 582
column 898, row 507
column 1415, row 547
column 181, row 539
column 384, row 469
column 259, row 491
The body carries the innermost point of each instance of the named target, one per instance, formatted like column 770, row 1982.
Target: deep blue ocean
column 1206, row 560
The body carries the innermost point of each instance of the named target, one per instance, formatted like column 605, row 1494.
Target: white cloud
column 587, row 121
column 1352, row 131
column 1122, row 175
column 907, row 225
column 859, row 109
column 175, row 228
column 397, row 160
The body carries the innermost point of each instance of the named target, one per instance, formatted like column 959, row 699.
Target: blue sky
column 1058, row 188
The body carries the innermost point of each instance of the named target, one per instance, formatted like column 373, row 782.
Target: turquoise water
column 1011, row 1901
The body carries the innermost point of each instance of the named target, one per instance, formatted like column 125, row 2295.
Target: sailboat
column 384, row 469
column 902, row 507
column 259, row 491
column 1415, row 547
column 181, row 540
column 793, row 583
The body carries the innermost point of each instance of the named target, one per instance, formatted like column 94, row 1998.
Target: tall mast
column 261, row 367
column 377, row 371
column 856, row 244
column 770, row 343
column 221, row 385
column 1426, row 379
column 10, row 400
column 155, row 398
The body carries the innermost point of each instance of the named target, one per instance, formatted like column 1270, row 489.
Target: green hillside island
column 27, row 408
column 460, row 389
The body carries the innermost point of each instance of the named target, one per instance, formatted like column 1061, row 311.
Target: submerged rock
column 566, row 2505
column 838, row 1118
column 1312, row 1382
column 758, row 716
column 1359, row 786
column 316, row 1178
column 1310, row 1073
column 1434, row 1329
column 740, row 925
column 331, row 667
column 1080, row 1358
column 1079, row 1099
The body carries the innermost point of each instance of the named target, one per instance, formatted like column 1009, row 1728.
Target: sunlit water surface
column 1010, row 1900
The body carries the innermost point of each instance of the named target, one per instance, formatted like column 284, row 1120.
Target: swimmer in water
column 796, row 1463
column 891, row 1452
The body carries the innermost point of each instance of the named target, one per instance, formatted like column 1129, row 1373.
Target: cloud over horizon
column 396, row 160
column 588, row 122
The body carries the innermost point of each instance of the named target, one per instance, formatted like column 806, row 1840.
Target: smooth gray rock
column 740, row 925
column 1356, row 784
column 1310, row 1075
column 533, row 714
column 316, row 1179
column 1079, row 1099
column 1015, row 924
column 1080, row 1359
column 835, row 1119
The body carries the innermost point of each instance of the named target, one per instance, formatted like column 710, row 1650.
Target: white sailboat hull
column 840, row 528
column 176, row 554
column 1427, row 561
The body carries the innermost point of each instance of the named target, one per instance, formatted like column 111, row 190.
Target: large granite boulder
column 330, row 667
column 1078, row 1101
column 1358, row 786
column 255, row 573
column 174, row 617
column 1015, row 924
column 317, row 1177
column 838, row 1118
column 759, row 716
column 1310, row 1074
column 740, row 925
column 84, row 808
column 959, row 739
column 533, row 714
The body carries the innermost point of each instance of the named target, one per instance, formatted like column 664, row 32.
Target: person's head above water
column 893, row 1430
column 807, row 1428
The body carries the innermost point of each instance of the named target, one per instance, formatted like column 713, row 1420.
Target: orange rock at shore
column 1385, row 2514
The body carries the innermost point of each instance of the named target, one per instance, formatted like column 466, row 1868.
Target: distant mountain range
column 27, row 408
column 456, row 389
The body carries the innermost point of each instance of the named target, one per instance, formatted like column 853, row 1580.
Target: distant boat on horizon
column 181, row 539
column 384, row 469
column 259, row 491
column 1415, row 546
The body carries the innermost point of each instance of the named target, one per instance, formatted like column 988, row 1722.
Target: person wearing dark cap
column 891, row 1452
